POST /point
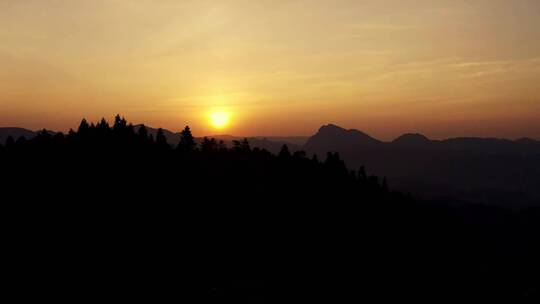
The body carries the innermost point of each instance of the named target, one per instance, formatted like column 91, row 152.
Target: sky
column 444, row 68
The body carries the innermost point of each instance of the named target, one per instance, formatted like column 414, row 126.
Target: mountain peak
column 331, row 128
column 337, row 130
column 331, row 137
column 412, row 139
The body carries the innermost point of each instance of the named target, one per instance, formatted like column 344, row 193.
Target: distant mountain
column 485, row 170
column 334, row 138
column 172, row 137
column 412, row 140
column 15, row 133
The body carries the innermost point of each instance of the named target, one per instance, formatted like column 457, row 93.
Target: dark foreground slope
column 108, row 213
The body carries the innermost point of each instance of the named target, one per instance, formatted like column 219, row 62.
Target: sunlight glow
column 219, row 119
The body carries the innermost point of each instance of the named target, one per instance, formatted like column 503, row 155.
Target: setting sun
column 219, row 119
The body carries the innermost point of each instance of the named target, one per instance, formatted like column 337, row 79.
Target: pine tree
column 161, row 140
column 143, row 133
column 187, row 141
column 208, row 145
column 120, row 123
column 284, row 152
column 244, row 145
column 83, row 127
column 205, row 144
column 20, row 141
column 43, row 134
column 103, row 125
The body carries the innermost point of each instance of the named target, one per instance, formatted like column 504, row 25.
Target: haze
column 444, row 68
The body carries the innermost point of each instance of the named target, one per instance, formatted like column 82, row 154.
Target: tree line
column 93, row 139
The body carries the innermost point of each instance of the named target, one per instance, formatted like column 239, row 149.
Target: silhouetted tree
column 244, row 146
column 237, row 145
column 187, row 141
column 103, row 125
column 161, row 140
column 21, row 141
column 284, row 152
column 333, row 160
column 208, row 145
column 83, row 127
column 119, row 123
column 143, row 134
column 43, row 134
column 221, row 146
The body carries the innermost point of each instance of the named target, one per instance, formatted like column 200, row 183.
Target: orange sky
column 443, row 68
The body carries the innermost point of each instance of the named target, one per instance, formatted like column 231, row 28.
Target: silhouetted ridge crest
column 337, row 137
column 412, row 140
column 17, row 133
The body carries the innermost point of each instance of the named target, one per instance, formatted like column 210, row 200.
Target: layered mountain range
column 482, row 170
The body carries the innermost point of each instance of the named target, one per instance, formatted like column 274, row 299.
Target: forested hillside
column 107, row 209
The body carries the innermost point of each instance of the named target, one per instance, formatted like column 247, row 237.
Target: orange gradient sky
column 440, row 67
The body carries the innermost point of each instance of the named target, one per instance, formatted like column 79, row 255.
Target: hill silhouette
column 412, row 140
column 15, row 133
column 479, row 170
column 111, row 209
column 339, row 138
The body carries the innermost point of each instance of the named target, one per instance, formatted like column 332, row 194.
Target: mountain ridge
column 475, row 169
column 331, row 129
column 299, row 141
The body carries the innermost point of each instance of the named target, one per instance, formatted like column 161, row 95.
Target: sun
column 219, row 119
